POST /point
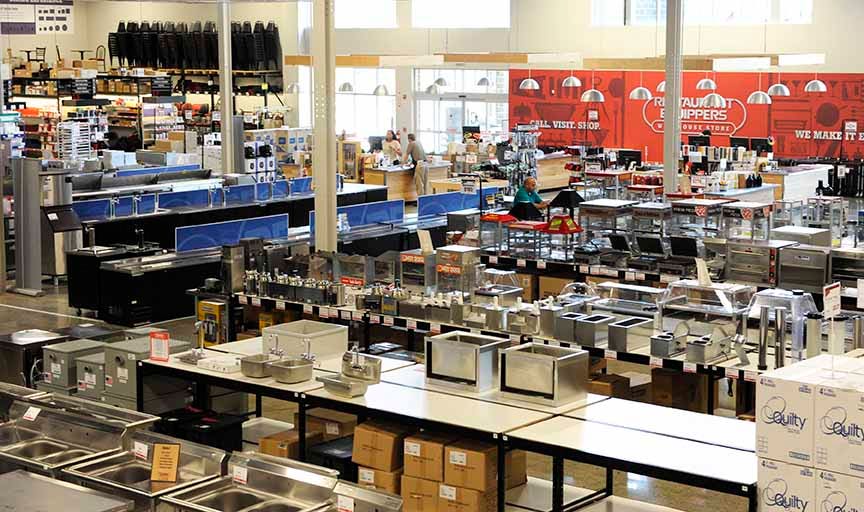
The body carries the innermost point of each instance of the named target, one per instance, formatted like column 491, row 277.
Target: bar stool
column 82, row 52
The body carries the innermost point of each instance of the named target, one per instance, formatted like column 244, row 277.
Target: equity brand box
column 784, row 414
column 783, row 487
column 838, row 492
column 839, row 424
column 424, row 456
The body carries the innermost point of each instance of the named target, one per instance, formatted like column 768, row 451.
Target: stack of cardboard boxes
column 810, row 435
column 432, row 472
column 322, row 425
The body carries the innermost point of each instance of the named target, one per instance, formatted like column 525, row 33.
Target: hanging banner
column 29, row 17
column 825, row 124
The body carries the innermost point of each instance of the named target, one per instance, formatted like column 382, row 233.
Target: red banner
column 803, row 124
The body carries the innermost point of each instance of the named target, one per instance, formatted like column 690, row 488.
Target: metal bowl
column 256, row 366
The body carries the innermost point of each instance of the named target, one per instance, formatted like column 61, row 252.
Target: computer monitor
column 650, row 245
column 761, row 146
column 593, row 151
column 376, row 143
column 619, row 243
column 684, row 246
column 699, row 140
column 626, row 156
column 739, row 142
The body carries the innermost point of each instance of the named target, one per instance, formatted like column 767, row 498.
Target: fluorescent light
column 742, row 63
column 801, row 59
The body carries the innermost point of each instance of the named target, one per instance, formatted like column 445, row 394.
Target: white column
column 404, row 122
column 324, row 124
column 226, row 86
column 672, row 102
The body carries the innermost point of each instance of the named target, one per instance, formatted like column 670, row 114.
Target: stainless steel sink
column 128, row 474
column 291, row 370
column 37, row 449
column 232, row 500
column 276, row 507
column 546, row 374
column 13, row 434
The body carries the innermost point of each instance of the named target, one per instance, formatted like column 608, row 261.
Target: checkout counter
column 399, row 179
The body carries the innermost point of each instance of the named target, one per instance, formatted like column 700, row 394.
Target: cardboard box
column 379, row 445
column 549, row 286
column 672, row 388
column 610, row 385
column 836, row 491
column 785, row 414
column 189, row 137
column 458, row 499
column 516, row 463
column 286, row 444
column 424, row 456
column 331, row 424
column 419, row 495
column 785, row 487
column 839, row 424
column 380, row 480
column 640, row 386
column 471, row 464
column 528, row 282
column 269, row 318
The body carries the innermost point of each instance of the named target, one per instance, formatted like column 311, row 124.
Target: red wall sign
column 802, row 124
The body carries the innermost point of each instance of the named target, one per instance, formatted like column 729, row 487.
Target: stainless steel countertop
column 28, row 492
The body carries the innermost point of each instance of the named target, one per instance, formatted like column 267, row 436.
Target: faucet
column 136, row 202
column 211, row 192
column 112, row 206
column 308, row 355
column 225, row 189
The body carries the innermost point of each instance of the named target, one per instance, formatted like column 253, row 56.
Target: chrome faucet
column 225, row 189
column 211, row 193
column 136, row 204
column 308, row 355
column 112, row 206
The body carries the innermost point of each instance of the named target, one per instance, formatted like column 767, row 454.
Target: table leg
column 557, row 484
column 301, row 428
column 259, row 406
column 502, row 474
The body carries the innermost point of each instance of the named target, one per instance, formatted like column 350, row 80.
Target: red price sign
column 159, row 350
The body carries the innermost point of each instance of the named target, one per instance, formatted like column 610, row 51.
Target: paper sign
column 166, row 458
column 123, row 374
column 140, row 450
column 32, row 413
column 159, row 346
column 831, row 299
column 458, row 458
column 388, row 320
column 493, row 260
column 256, row 301
column 331, row 429
column 344, row 504
column 307, row 308
column 240, row 475
column 610, row 354
column 412, row 448
column 702, row 272
column 447, row 492
column 411, row 324
column 425, row 238
column 541, row 264
column 366, row 476
column 280, row 305
column 689, row 367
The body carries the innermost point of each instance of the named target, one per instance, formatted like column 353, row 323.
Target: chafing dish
column 127, row 473
column 45, row 440
column 543, row 373
column 260, row 483
column 464, row 360
column 630, row 333
column 754, row 261
column 291, row 338
column 804, row 267
column 702, row 306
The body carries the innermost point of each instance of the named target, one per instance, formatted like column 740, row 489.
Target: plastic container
column 325, row 339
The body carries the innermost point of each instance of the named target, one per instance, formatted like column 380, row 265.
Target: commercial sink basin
column 463, row 360
column 127, row 473
column 46, row 440
column 260, row 483
column 545, row 374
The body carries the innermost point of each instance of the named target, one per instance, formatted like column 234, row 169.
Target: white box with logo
column 783, row 487
column 838, row 492
column 784, row 414
column 839, row 424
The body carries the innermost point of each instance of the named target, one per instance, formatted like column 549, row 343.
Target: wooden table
column 399, row 179
column 455, row 185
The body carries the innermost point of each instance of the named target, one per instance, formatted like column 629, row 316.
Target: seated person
column 527, row 202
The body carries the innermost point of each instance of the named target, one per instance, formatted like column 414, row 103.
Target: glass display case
column 705, row 306
column 697, row 217
column 798, row 305
column 386, row 267
column 355, row 269
column 494, row 232
column 628, row 299
column 526, row 239
column 417, row 271
column 652, row 218
column 457, row 268
column 827, row 213
column 788, row 212
column 746, row 220
column 605, row 215
column 562, row 234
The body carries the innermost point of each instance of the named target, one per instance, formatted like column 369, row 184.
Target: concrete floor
column 51, row 311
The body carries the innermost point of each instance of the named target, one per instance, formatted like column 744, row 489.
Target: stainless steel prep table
column 28, row 492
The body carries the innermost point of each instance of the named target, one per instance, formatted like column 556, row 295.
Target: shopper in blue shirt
column 527, row 193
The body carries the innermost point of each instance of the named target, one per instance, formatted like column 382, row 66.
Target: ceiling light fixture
column 484, row 82
column 592, row 95
column 706, row 84
column 661, row 87
column 714, row 100
column 759, row 97
column 293, row 88
column 381, row 90
column 441, row 82
column 346, row 87
column 433, row 90
column 815, row 85
column 529, row 84
column 640, row 93
column 778, row 90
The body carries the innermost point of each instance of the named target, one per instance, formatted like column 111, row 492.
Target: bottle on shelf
column 749, row 182
column 820, row 189
column 758, row 180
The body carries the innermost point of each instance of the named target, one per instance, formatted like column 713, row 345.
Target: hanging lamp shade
column 483, row 82
column 346, row 87
column 593, row 96
column 529, row 84
column 293, row 88
column 778, row 89
column 759, row 98
column 433, row 89
column 706, row 84
column 714, row 100
column 571, row 81
column 441, row 82
column 661, row 87
column 381, row 90
column 815, row 85
column 641, row 93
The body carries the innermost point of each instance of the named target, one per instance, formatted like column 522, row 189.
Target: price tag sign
column 244, row 299
column 435, row 328
column 610, row 354
column 256, row 301
column 668, row 278
column 345, row 315
column 656, row 362
column 159, row 350
column 584, row 269
column 32, row 413
column 166, row 460
column 521, row 263
column 280, row 305
column 375, row 319
column 140, row 450
column 307, row 308
column 493, row 260
column 344, row 504
column 388, row 320
column 638, row 276
column 689, row 367
column 411, row 324
column 831, row 299
column 629, row 276
column 596, row 270
column 731, row 373
column 750, row 375
column 357, row 316
column 541, row 265
column 515, row 338
column 240, row 475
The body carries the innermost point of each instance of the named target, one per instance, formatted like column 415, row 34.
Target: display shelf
column 535, row 495
column 619, row 504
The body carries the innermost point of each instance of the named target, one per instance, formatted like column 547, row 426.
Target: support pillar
column 324, row 123
column 672, row 101
column 226, row 87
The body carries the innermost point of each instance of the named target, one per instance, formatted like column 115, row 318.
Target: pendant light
column 433, row 89
column 346, row 87
column 592, row 95
column 706, row 84
column 640, row 93
column 381, row 90
column 441, row 82
column 714, row 100
column 779, row 89
column 293, row 88
column 483, row 82
column 759, row 97
column 661, row 87
column 815, row 85
column 529, row 84
column 571, row 81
